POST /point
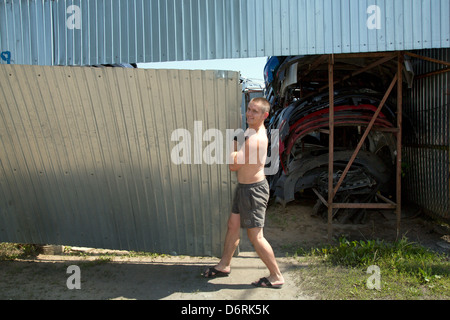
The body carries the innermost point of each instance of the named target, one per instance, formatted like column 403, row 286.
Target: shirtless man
column 251, row 198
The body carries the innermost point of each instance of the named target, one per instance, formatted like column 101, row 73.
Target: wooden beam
column 432, row 73
column 385, row 199
column 321, row 59
column 322, row 199
column 374, row 64
column 399, row 140
column 348, row 205
column 427, row 58
column 330, row 144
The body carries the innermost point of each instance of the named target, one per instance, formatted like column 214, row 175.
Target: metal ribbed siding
column 85, row 158
column 26, row 31
column 426, row 148
column 174, row 30
column 134, row 31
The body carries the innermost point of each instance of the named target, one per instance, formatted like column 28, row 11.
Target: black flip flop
column 212, row 272
column 265, row 283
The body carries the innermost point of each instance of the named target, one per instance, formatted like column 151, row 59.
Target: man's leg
column 231, row 243
column 265, row 252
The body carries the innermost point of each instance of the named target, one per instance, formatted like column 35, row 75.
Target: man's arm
column 247, row 154
column 237, row 155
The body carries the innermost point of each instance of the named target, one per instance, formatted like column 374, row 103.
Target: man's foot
column 212, row 272
column 265, row 283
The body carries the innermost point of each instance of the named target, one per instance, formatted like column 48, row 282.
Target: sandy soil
column 178, row 278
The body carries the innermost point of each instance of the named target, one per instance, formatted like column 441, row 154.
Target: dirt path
column 166, row 278
column 178, row 278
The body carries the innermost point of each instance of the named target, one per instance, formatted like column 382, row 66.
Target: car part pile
column 296, row 88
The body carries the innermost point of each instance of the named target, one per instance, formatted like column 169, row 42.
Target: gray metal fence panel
column 426, row 142
column 85, row 157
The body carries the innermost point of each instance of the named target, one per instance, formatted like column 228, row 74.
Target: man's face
column 255, row 115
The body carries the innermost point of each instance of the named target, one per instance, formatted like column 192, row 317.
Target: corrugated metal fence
column 85, row 157
column 426, row 143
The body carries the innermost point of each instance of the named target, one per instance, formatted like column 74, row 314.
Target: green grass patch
column 12, row 251
column 405, row 271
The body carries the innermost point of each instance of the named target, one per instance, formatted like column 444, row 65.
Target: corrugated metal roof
column 86, row 157
column 83, row 32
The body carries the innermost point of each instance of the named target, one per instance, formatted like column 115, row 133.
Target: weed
column 98, row 261
column 408, row 270
column 12, row 251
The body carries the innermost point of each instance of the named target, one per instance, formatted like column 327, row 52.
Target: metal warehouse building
column 85, row 152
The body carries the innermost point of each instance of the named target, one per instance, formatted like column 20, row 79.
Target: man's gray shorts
column 250, row 201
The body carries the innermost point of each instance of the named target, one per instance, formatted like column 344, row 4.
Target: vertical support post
column 399, row 139
column 330, row 144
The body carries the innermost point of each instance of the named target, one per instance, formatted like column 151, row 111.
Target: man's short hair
column 262, row 102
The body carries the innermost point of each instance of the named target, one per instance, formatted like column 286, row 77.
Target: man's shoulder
column 256, row 136
column 262, row 135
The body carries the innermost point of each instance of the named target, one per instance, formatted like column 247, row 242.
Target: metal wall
column 26, row 29
column 83, row 32
column 85, row 157
column 426, row 141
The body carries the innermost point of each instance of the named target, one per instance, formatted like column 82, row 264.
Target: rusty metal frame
column 398, row 79
column 332, row 190
column 444, row 70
